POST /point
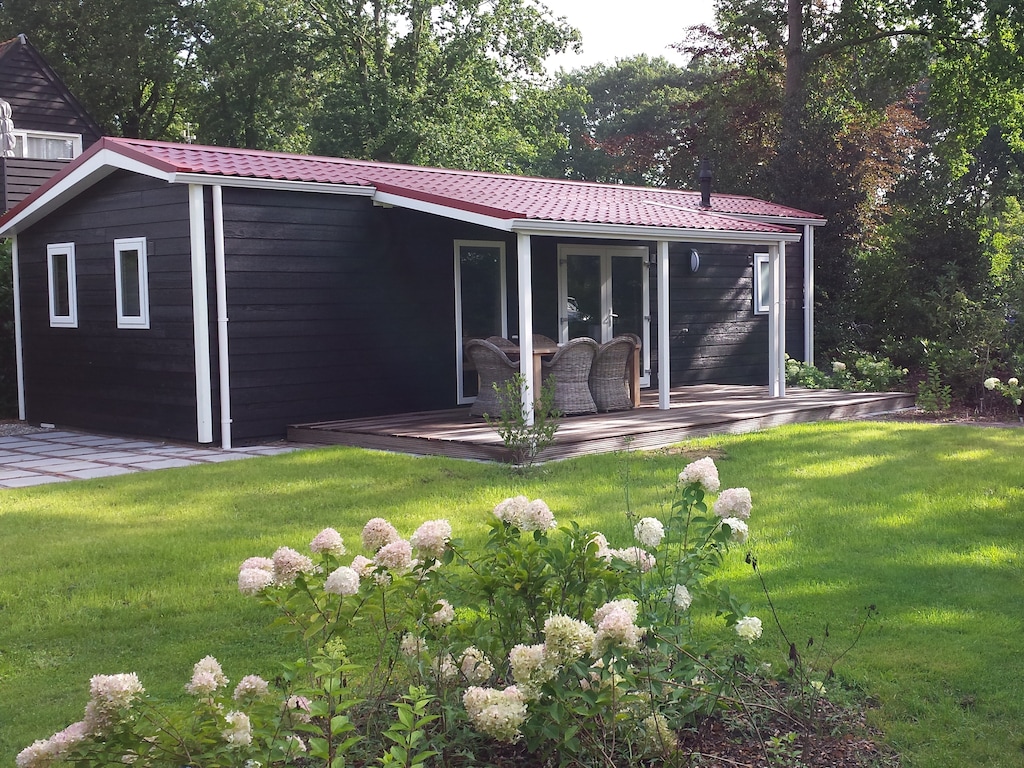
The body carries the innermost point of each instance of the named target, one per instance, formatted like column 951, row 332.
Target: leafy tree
column 440, row 82
column 629, row 129
column 132, row 64
column 258, row 68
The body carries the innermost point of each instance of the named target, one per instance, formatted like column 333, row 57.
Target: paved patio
column 53, row 456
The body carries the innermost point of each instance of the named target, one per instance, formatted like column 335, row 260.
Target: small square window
column 60, row 277
column 762, row 284
column 131, row 283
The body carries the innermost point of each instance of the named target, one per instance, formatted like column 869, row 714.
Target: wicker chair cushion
column 608, row 375
column 493, row 367
column 570, row 366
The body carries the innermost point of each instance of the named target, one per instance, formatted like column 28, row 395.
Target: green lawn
column 137, row 573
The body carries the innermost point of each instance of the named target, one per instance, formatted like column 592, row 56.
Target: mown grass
column 137, row 573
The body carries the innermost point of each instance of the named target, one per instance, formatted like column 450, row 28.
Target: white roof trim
column 635, row 232
column 447, row 211
column 94, row 169
column 285, row 185
column 791, row 221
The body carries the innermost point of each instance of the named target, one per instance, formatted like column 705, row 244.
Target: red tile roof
column 522, row 202
column 499, row 195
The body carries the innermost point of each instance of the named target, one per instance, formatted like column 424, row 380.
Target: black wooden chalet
column 51, row 127
column 210, row 294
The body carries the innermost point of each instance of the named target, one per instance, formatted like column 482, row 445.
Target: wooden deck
column 696, row 411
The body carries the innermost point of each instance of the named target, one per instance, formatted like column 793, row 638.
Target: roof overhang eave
column 284, row 185
column 786, row 221
column 641, row 232
column 71, row 183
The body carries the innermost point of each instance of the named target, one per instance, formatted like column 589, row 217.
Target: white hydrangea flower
column 412, row 646
column 740, row 530
column 838, row 366
column 498, row 713
column 239, row 730
column 524, row 514
column 288, row 564
column 207, row 677
column 342, row 581
column 431, row 538
column 531, row 668
column 749, row 628
column 567, row 639
column 329, row 541
column 635, row 556
column 378, row 532
column 616, row 628
column 681, row 597
column 475, row 667
column 444, row 614
column 702, row 471
column 649, row 531
column 659, row 738
column 251, row 687
column 395, row 556
column 260, row 563
column 733, row 502
column 991, row 383
column 252, row 581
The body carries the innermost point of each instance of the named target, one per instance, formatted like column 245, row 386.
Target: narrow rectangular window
column 131, row 282
column 60, row 276
column 762, row 283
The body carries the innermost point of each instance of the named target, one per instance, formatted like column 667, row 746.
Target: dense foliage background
column 900, row 122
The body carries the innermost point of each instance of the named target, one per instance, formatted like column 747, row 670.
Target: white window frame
column 122, row 245
column 460, row 396
column 22, row 136
column 70, row 320
column 761, row 280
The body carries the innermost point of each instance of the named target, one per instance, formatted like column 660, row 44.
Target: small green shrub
column 933, row 396
column 524, row 441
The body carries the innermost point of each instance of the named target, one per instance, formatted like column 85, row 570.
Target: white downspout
column 200, row 314
column 18, row 348
column 777, row 320
column 664, row 331
column 220, row 276
column 524, row 259
column 809, row 294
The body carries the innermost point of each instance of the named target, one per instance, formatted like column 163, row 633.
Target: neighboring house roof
column 36, row 108
column 506, row 202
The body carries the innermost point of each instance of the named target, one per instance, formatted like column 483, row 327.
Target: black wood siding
column 20, row 177
column 715, row 335
column 338, row 309
column 97, row 376
column 39, row 100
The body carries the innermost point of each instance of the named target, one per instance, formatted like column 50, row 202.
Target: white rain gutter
column 524, row 264
column 809, row 294
column 200, row 314
column 19, row 353
column 220, row 278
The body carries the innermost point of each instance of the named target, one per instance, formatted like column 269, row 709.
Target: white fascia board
column 285, row 185
column 633, row 232
column 96, row 168
column 448, row 212
column 789, row 221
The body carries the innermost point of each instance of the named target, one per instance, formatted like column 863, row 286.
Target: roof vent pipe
column 705, row 183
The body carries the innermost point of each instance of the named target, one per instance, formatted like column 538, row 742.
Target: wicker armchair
column 505, row 345
column 608, row 374
column 570, row 366
column 493, row 367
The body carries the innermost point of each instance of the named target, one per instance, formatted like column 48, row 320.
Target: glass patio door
column 604, row 291
column 481, row 304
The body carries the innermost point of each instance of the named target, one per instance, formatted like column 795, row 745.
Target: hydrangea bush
column 1011, row 390
column 549, row 638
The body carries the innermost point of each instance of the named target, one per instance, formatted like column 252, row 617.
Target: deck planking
column 696, row 411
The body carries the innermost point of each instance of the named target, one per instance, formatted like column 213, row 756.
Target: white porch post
column 809, row 294
column 777, row 320
column 664, row 331
column 19, row 352
column 200, row 314
column 525, row 272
